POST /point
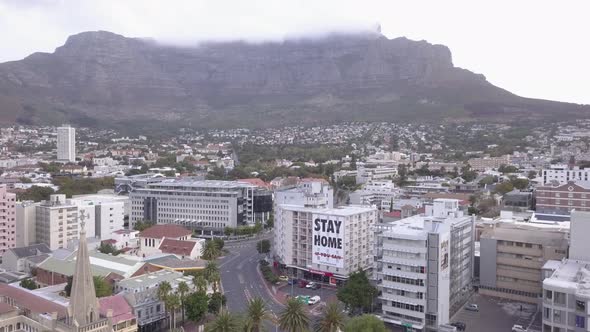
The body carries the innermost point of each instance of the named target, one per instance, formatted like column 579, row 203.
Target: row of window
column 406, row 306
column 402, row 280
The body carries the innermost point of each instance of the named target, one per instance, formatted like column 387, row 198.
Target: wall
column 487, row 263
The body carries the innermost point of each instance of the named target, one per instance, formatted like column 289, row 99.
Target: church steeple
column 83, row 307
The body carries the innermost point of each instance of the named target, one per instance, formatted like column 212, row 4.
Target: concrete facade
column 7, row 220
column 66, row 144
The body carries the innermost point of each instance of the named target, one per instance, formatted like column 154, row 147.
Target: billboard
column 328, row 240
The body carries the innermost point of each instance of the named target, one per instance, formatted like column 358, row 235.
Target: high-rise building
column 66, row 143
column 423, row 266
column 57, row 222
column 7, row 220
column 26, row 223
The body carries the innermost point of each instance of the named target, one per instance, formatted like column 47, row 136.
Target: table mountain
column 101, row 78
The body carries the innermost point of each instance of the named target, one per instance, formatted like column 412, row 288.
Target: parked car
column 472, row 307
column 283, row 278
column 310, row 285
column 313, row 300
column 518, row 328
column 315, row 286
column 302, row 283
column 293, row 281
column 459, row 325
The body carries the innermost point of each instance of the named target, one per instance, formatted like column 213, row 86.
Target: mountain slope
column 101, row 78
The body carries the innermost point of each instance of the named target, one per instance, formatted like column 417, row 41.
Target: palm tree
column 256, row 313
column 164, row 290
column 225, row 322
column 182, row 291
column 212, row 274
column 215, row 277
column 200, row 283
column 332, row 319
column 293, row 317
column 172, row 304
column 210, row 250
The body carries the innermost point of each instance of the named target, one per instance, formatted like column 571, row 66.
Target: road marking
column 240, row 278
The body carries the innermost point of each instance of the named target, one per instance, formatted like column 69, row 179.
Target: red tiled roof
column 109, row 241
column 393, row 214
column 5, row 307
column 314, row 180
column 255, row 181
column 26, row 299
column 122, row 311
column 169, row 231
column 177, row 247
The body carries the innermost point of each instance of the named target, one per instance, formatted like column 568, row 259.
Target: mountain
column 101, row 78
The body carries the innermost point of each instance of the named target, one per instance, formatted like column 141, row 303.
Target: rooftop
column 122, row 311
column 26, row 299
column 169, row 231
column 100, row 264
column 573, row 275
column 194, row 183
column 32, row 250
column 154, row 279
column 343, row 211
column 177, row 247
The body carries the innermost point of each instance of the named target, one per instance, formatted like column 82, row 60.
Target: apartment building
column 482, row 164
column 57, row 222
column 26, row 219
column 307, row 192
column 379, row 193
column 561, row 199
column 66, row 144
column 562, row 174
column 208, row 206
column 512, row 255
column 566, row 295
column 321, row 243
column 366, row 174
column 423, row 266
column 7, row 220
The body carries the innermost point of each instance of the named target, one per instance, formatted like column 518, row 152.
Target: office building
column 323, row 244
column 66, row 144
column 562, row 174
column 367, row 174
column 207, row 206
column 485, row 163
column 512, row 254
column 26, row 223
column 106, row 212
column 423, row 266
column 7, row 220
column 561, row 199
column 566, row 291
column 379, row 193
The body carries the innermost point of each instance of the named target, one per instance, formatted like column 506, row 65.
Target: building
column 56, row 222
column 107, row 215
column 566, row 295
column 323, row 244
column 561, row 199
column 184, row 249
column 66, row 144
column 207, row 206
column 125, row 238
column 308, row 192
column 423, row 266
column 122, row 317
column 26, row 218
column 7, row 220
column 562, row 174
column 379, row 193
column 512, row 254
column 22, row 259
column 151, row 238
column 485, row 163
column 366, row 174
column 142, row 295
column 517, row 200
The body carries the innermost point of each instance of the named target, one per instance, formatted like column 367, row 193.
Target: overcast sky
column 534, row 48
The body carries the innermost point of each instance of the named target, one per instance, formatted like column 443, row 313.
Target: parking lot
column 327, row 294
column 498, row 315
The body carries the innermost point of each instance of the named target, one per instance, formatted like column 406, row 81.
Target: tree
column 107, row 248
column 532, row 174
column 212, row 274
column 520, row 183
column 487, row 180
column 210, row 250
column 102, row 287
column 365, row 323
column 504, row 187
column 216, row 301
column 196, row 305
column 200, row 283
column 256, row 313
column 28, row 284
column 163, row 292
column 270, row 223
column 183, row 289
column 225, row 322
column 358, row 293
column 332, row 319
column 219, row 242
column 143, row 225
column 36, row 193
column 172, row 304
column 263, row 246
column 507, row 169
column 293, row 318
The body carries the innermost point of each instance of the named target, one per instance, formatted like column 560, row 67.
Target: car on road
column 518, row 328
column 283, row 278
column 472, row 307
column 302, row 283
column 313, row 300
column 310, row 285
column 293, row 281
column 315, row 286
column 459, row 325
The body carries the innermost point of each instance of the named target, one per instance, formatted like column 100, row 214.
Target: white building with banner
column 323, row 244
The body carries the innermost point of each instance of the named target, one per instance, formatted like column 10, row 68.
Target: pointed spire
column 83, row 303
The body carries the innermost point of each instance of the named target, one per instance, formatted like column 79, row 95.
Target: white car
column 310, row 285
column 518, row 328
column 313, row 300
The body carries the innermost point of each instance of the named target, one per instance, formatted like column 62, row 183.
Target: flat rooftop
column 343, row 211
column 194, row 183
column 153, row 279
column 573, row 275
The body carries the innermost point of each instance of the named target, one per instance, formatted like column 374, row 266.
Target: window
column 581, row 306
column 548, row 294
column 580, row 321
